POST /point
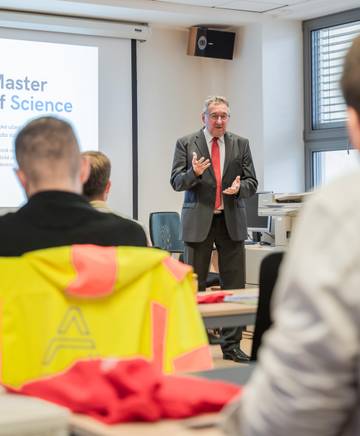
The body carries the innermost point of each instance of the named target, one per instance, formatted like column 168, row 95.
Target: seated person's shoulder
column 127, row 221
column 128, row 227
column 7, row 220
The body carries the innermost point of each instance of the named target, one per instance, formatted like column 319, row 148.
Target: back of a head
column 350, row 81
column 100, row 169
column 47, row 150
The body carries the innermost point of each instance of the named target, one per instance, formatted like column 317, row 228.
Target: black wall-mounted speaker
column 211, row 43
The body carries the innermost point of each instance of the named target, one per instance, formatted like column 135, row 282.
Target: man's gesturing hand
column 199, row 166
column 234, row 188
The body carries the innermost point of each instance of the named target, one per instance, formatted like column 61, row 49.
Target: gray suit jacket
column 199, row 200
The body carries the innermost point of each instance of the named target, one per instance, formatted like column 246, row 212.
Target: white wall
column 171, row 89
column 263, row 84
column 265, row 87
column 244, row 78
column 283, row 107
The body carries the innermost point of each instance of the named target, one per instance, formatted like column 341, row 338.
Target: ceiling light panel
column 253, row 6
column 208, row 3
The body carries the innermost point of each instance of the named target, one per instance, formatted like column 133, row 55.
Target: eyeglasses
column 214, row 116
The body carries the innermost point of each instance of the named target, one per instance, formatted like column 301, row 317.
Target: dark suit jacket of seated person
column 52, row 172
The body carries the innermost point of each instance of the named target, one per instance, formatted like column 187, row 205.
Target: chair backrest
column 165, row 231
column 269, row 270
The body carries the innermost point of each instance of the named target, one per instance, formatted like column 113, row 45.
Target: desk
column 82, row 425
column 229, row 314
column 21, row 415
column 254, row 254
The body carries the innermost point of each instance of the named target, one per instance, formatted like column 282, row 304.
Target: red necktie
column 215, row 160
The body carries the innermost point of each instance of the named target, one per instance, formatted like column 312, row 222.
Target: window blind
column 329, row 46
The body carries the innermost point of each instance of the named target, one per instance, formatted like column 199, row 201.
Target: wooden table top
column 82, row 425
column 229, row 308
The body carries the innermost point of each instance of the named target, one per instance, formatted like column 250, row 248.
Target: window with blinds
column 329, row 46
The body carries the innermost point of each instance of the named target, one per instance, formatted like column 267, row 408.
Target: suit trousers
column 231, row 256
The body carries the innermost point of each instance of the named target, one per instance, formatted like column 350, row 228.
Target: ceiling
column 185, row 13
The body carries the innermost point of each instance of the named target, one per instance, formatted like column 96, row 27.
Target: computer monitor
column 255, row 223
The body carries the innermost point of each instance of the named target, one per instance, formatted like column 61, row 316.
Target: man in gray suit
column 215, row 169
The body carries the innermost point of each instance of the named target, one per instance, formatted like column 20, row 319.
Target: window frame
column 321, row 139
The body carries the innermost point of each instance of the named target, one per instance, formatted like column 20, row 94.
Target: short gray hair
column 215, row 99
column 47, row 145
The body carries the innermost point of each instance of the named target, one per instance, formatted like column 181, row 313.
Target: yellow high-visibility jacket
column 59, row 305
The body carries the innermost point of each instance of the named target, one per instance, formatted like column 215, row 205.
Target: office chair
column 269, row 270
column 165, row 234
column 165, row 231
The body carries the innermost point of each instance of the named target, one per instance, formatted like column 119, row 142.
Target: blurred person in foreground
column 307, row 379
